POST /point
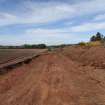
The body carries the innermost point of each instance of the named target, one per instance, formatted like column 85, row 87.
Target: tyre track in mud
column 53, row 79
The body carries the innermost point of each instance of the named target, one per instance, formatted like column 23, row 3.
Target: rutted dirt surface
column 55, row 78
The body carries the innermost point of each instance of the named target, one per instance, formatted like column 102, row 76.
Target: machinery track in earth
column 53, row 79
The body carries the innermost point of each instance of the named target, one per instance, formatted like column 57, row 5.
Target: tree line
column 25, row 46
column 98, row 37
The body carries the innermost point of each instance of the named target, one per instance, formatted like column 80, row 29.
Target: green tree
column 97, row 37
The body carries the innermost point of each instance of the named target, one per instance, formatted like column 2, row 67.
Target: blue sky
column 50, row 21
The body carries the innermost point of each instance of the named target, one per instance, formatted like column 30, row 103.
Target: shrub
column 82, row 43
column 94, row 43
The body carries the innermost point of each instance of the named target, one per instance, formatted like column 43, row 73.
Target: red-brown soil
column 6, row 55
column 9, row 58
column 66, row 76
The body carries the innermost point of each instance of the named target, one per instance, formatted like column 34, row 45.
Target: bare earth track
column 55, row 78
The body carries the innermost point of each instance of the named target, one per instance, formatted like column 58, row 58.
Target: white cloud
column 35, row 13
column 46, row 32
column 49, row 12
column 65, row 31
column 44, row 13
column 31, row 12
column 52, row 36
column 6, row 18
column 90, row 7
column 88, row 27
column 100, row 17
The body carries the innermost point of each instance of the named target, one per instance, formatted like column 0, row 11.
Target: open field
column 67, row 76
column 9, row 57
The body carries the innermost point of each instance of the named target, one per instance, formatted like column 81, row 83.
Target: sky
column 50, row 21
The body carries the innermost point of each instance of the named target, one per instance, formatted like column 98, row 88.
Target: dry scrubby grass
column 93, row 43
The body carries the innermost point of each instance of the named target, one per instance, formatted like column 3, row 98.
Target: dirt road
column 53, row 79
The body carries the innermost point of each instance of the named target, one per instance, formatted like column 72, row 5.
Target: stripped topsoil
column 70, row 76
